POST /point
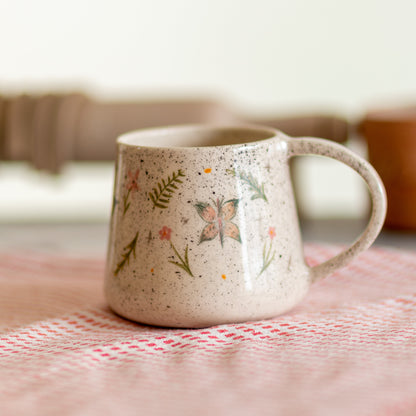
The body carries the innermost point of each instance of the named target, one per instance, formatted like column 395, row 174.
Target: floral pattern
column 164, row 233
column 268, row 255
column 128, row 250
column 164, row 190
column 183, row 263
column 219, row 220
column 252, row 182
column 131, row 186
column 217, row 214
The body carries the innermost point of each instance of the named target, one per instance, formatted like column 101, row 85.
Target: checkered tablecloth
column 348, row 349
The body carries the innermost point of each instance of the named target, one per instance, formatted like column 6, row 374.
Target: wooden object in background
column 391, row 139
column 49, row 130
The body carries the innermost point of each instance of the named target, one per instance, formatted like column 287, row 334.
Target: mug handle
column 313, row 146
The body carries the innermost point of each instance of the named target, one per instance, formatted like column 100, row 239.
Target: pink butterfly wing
column 206, row 212
column 231, row 230
column 208, row 233
column 229, row 209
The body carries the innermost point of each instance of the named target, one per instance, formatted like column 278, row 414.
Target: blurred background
column 261, row 59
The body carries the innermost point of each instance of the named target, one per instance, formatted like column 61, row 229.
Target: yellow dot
column 224, row 276
column 208, row 170
column 152, row 270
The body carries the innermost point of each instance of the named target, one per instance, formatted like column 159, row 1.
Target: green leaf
column 183, row 264
column 129, row 249
column 253, row 184
column 165, row 190
column 182, row 267
column 186, row 255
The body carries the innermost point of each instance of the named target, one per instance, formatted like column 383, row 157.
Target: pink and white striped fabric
column 348, row 349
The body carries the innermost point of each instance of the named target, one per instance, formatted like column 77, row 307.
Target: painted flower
column 219, row 220
column 183, row 262
column 268, row 252
column 132, row 185
column 165, row 233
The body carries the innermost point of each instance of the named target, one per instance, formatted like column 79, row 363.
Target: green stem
column 184, row 264
column 125, row 204
column 131, row 248
column 266, row 258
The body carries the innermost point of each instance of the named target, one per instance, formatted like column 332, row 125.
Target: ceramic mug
column 204, row 228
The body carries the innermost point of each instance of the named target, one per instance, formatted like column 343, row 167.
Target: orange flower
column 272, row 232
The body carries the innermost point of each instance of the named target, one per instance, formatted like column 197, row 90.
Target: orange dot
column 224, row 276
column 208, row 170
column 152, row 270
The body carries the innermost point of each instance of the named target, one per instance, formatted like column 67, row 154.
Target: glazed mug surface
column 204, row 228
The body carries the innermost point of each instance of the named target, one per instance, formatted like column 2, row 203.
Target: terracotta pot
column 391, row 139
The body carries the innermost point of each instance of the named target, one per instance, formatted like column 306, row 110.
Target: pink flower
column 132, row 185
column 165, row 233
column 272, row 232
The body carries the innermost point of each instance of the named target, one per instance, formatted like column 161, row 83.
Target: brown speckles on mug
column 212, row 229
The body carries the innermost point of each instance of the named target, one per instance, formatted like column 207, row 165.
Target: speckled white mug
column 204, row 228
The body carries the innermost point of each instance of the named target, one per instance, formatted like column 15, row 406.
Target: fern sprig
column 251, row 181
column 165, row 189
column 128, row 250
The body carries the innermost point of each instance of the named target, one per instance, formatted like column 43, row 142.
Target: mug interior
column 196, row 136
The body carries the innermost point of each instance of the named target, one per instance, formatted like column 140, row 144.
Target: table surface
column 349, row 348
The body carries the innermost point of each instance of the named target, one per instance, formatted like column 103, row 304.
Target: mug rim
column 271, row 133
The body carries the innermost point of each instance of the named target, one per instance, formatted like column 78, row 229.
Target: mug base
column 198, row 322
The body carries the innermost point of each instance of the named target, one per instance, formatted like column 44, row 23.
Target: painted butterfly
column 219, row 220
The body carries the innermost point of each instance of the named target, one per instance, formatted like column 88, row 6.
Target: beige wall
column 273, row 56
column 262, row 54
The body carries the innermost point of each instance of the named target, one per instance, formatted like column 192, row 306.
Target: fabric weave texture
column 348, row 349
